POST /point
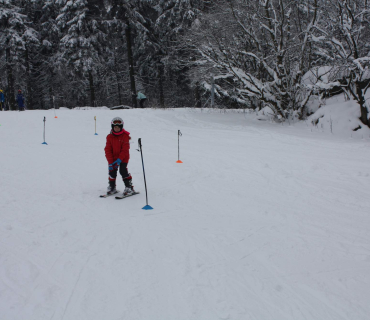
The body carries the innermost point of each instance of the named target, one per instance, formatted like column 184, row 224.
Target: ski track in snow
column 261, row 221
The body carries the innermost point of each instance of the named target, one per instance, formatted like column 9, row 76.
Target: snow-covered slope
column 261, row 221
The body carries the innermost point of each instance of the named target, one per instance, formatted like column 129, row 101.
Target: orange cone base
column 178, row 161
column 55, row 117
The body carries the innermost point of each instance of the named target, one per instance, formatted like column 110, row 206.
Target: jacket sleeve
column 109, row 150
column 124, row 155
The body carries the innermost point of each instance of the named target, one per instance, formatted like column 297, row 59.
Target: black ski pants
column 142, row 103
column 123, row 172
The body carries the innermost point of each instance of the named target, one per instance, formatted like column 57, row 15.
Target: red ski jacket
column 118, row 146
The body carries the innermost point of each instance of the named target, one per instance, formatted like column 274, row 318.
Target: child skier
column 117, row 152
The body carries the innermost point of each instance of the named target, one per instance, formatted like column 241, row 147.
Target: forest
column 185, row 53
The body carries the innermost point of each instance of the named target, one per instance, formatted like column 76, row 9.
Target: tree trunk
column 361, row 100
column 131, row 63
column 10, row 95
column 92, row 89
column 198, row 102
column 29, row 98
column 119, row 89
column 118, row 80
column 161, row 91
column 283, row 94
column 51, row 97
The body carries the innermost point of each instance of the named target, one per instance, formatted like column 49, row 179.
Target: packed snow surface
column 261, row 221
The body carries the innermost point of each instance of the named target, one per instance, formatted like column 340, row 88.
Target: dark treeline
column 254, row 53
column 68, row 53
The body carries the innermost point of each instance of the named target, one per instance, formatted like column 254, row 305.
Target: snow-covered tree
column 48, row 74
column 83, row 43
column 347, row 37
column 258, row 50
column 158, row 50
column 119, row 24
column 16, row 38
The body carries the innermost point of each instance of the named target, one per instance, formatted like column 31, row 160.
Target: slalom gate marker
column 44, row 130
column 178, row 146
column 147, row 207
column 95, row 125
column 54, row 108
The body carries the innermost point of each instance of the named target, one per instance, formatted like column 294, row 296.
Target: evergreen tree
column 158, row 50
column 16, row 37
column 49, row 73
column 120, row 25
column 83, row 44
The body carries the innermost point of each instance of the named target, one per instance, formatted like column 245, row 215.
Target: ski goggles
column 117, row 122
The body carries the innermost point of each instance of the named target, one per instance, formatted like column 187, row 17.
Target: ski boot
column 129, row 188
column 111, row 189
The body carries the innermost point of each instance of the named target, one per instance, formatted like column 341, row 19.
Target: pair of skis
column 119, row 197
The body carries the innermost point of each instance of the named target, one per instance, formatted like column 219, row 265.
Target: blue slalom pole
column 178, row 146
column 44, row 130
column 147, row 207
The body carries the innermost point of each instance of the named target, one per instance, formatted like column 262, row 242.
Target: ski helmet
column 117, row 121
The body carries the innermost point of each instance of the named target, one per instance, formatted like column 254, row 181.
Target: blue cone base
column 96, row 134
column 44, row 143
column 147, row 207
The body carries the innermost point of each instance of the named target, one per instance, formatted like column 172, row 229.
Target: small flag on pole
column 178, row 146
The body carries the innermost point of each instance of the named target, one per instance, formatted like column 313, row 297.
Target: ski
column 122, row 197
column 108, row 195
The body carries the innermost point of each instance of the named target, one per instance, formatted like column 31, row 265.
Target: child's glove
column 110, row 166
column 116, row 163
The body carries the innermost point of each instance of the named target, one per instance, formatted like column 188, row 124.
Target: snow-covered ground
column 261, row 221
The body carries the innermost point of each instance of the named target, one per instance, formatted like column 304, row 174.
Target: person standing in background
column 141, row 97
column 20, row 100
column 2, row 100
